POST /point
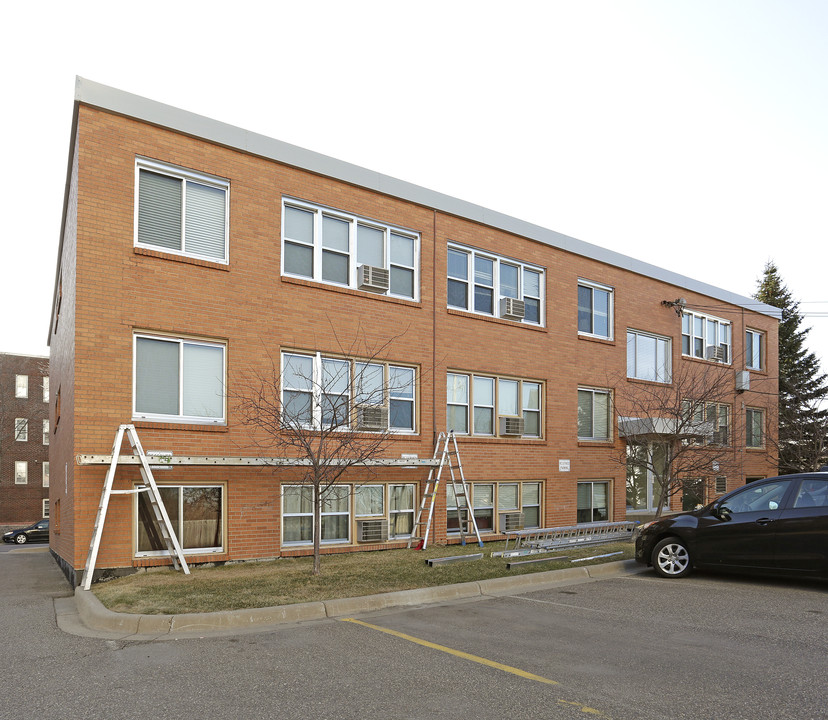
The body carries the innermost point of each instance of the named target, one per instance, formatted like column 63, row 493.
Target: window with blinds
column 181, row 211
column 179, row 380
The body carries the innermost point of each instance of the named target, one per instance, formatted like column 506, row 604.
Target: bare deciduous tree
column 331, row 413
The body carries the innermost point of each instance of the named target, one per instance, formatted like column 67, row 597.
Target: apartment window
column 369, row 500
column 520, row 497
column 593, row 502
column 181, row 211
column 493, row 406
column 648, row 357
column 45, row 507
column 338, row 392
column 178, row 380
column 46, row 474
column 297, row 514
column 21, row 429
column 482, row 504
column 340, row 248
column 713, row 418
column 45, row 389
column 21, row 386
column 594, row 309
column 196, row 513
column 486, row 284
column 647, row 465
column 45, row 432
column 754, row 428
column 705, row 336
column 594, row 414
column 401, row 499
column 753, row 350
column 21, row 472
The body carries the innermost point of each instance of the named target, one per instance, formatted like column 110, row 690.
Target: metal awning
column 649, row 427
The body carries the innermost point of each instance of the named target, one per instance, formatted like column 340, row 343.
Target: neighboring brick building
column 192, row 253
column 24, row 439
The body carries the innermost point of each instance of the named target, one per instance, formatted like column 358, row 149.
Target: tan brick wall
column 257, row 313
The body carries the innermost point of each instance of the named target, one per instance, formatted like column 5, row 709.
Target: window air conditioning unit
column 507, row 425
column 371, row 417
column 715, row 352
column 511, row 521
column 371, row 278
column 512, row 309
column 742, row 380
column 372, row 531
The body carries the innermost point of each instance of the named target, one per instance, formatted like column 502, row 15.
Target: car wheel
column 671, row 559
column 21, row 539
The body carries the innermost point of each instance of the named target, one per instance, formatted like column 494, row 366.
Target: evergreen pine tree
column 803, row 415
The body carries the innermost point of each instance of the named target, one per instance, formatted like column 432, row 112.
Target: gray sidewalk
column 84, row 614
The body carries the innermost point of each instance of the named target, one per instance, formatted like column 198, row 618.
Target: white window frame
column 467, row 380
column 21, row 386
column 390, row 393
column 209, row 550
column 180, row 417
column 662, row 375
column 523, row 503
column 46, row 389
column 392, row 513
column 45, row 507
column 45, row 431
column 21, row 472
column 652, row 485
column 700, row 331
column 185, row 176
column 497, row 288
column 319, row 212
column 593, row 287
column 337, row 513
column 593, row 392
column 45, row 474
column 21, row 429
column 754, row 349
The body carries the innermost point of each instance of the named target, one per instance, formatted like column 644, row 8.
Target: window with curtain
column 297, row 514
column 179, row 380
column 196, row 513
column 181, row 211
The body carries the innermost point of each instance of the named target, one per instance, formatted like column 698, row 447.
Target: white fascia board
column 167, row 116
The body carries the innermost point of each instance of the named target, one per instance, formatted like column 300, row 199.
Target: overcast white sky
column 690, row 134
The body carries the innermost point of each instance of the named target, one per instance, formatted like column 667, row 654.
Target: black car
column 33, row 533
column 778, row 525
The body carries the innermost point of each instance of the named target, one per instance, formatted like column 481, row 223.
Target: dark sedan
column 39, row 531
column 778, row 525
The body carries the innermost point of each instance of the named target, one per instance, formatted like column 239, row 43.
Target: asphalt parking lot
column 624, row 647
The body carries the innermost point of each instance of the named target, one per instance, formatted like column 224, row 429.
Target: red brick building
column 193, row 254
column 24, row 439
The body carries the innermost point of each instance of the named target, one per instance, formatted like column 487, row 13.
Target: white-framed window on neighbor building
column 297, row 514
column 754, row 343
column 181, row 211
column 492, row 285
column 319, row 390
column 21, row 386
column 197, row 516
column 45, row 432
column 705, row 336
column 45, row 507
column 21, row 429
column 493, row 406
column 754, row 428
column 46, row 474
column 46, row 389
column 648, row 357
column 21, row 472
column 178, row 380
column 593, row 501
column 594, row 413
column 647, row 466
column 339, row 248
column 595, row 308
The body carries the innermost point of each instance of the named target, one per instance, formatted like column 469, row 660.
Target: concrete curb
column 95, row 617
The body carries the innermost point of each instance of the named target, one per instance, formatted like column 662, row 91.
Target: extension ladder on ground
column 149, row 487
column 449, row 457
column 540, row 540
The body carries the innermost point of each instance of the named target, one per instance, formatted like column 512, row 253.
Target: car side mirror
column 722, row 512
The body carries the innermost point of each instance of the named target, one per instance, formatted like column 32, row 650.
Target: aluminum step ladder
column 449, row 457
column 157, row 505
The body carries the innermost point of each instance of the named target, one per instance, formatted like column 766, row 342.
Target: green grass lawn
column 289, row 580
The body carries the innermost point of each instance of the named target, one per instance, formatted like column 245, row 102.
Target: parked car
column 39, row 531
column 777, row 525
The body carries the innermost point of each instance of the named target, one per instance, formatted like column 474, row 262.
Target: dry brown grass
column 289, row 580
